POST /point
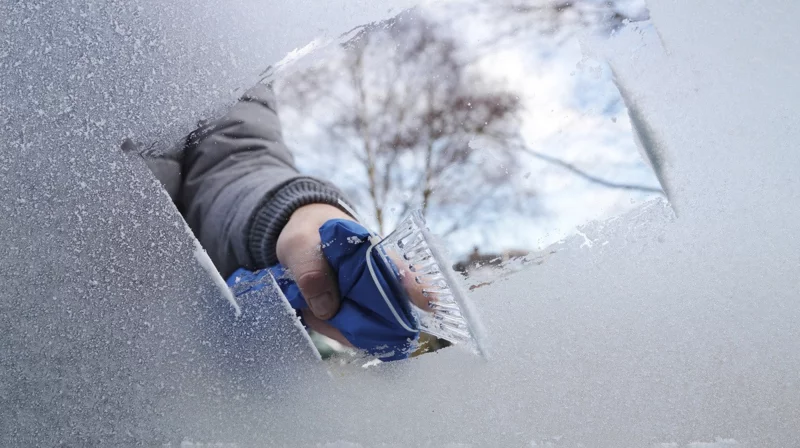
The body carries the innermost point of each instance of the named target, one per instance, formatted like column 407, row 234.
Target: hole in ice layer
column 486, row 117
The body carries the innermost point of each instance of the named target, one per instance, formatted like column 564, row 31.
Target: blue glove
column 365, row 318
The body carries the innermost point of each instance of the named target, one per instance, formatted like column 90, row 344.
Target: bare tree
column 404, row 102
column 400, row 101
column 559, row 19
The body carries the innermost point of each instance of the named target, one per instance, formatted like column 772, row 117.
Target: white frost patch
column 340, row 444
column 586, row 241
column 190, row 444
column 297, row 54
column 305, row 50
column 371, row 363
column 717, row 443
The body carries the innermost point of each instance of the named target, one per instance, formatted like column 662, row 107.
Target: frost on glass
column 112, row 331
column 650, row 329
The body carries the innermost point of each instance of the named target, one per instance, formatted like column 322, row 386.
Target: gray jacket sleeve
column 240, row 185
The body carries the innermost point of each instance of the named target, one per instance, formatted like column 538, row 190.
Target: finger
column 416, row 290
column 324, row 328
column 414, row 285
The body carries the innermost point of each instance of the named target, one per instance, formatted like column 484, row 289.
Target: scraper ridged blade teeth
column 444, row 307
column 461, row 334
column 455, row 320
column 446, row 320
column 431, row 270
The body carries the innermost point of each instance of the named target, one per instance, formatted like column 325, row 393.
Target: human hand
column 299, row 251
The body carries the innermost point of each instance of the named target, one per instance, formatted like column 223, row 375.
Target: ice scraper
column 377, row 314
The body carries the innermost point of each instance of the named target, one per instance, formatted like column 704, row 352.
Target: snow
column 681, row 330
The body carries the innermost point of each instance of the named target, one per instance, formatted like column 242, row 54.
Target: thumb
column 302, row 255
column 299, row 249
column 318, row 286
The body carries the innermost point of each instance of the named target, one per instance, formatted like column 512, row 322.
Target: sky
column 572, row 111
column 567, row 116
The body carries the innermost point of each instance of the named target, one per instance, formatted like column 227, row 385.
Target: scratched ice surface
column 674, row 325
column 111, row 331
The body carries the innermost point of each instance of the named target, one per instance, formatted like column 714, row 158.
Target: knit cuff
column 272, row 215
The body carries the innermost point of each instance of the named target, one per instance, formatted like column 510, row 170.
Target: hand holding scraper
column 390, row 289
column 257, row 217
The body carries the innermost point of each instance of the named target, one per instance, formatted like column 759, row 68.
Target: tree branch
column 590, row 177
column 459, row 223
